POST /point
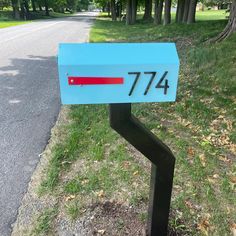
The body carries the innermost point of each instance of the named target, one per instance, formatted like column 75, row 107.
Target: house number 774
column 162, row 83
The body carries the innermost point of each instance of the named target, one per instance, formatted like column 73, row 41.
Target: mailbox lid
column 117, row 54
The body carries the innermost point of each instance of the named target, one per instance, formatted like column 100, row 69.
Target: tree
column 5, row 3
column 167, row 15
column 180, row 11
column 158, row 11
column 16, row 9
column 71, row 4
column 131, row 9
column 192, row 11
column 33, row 5
column 113, row 10
column 46, row 7
column 186, row 9
column 148, row 10
column 231, row 26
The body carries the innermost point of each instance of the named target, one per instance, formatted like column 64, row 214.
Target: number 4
column 165, row 86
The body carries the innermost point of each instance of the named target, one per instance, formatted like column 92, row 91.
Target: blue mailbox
column 95, row 73
column 125, row 73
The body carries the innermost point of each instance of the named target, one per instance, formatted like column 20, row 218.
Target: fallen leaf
column 203, row 226
column 126, row 164
column 190, row 151
column 202, row 160
column 233, row 229
column 232, row 179
column 224, row 159
column 85, row 181
column 100, row 193
column 69, row 197
column 211, row 180
column 101, row 231
column 216, row 176
column 189, row 204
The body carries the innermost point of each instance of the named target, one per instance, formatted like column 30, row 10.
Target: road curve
column 29, row 101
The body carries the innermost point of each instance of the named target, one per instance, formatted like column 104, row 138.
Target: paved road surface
column 29, row 101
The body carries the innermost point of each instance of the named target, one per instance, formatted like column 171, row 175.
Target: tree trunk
column 128, row 12
column 156, row 4
column 177, row 11
column 113, row 10
column 167, row 16
column 109, row 8
column 40, row 7
column 186, row 10
column 148, row 10
column 33, row 5
column 22, row 11
column 46, row 7
column 180, row 11
column 230, row 27
column 158, row 11
column 27, row 10
column 131, row 9
column 192, row 12
column 134, row 11
column 119, row 10
column 16, row 10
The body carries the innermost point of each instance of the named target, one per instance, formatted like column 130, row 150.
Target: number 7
column 135, row 81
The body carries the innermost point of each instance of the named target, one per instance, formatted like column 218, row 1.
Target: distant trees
column 167, row 15
column 22, row 8
column 16, row 9
column 231, row 26
column 158, row 8
column 186, row 10
column 220, row 3
column 5, row 3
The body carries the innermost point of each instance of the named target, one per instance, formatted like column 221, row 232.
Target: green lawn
column 6, row 19
column 212, row 15
column 199, row 127
column 4, row 24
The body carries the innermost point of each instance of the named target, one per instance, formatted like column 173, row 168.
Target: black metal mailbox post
column 163, row 162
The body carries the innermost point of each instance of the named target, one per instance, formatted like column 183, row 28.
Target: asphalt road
column 29, row 101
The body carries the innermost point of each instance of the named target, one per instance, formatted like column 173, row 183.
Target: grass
column 94, row 164
column 211, row 15
column 44, row 222
column 6, row 19
column 6, row 24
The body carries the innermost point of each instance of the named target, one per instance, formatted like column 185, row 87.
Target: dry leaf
column 126, row 164
column 224, row 159
column 216, row 176
column 69, row 197
column 190, row 151
column 101, row 231
column 211, row 180
column 100, row 193
column 189, row 204
column 202, row 160
column 232, row 179
column 233, row 228
column 85, row 181
column 203, row 226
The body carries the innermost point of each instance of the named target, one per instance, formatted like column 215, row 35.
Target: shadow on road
column 29, row 105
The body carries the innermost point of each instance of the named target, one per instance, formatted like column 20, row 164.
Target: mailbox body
column 92, row 73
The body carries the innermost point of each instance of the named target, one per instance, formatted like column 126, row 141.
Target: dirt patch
column 115, row 219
